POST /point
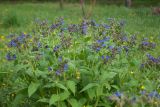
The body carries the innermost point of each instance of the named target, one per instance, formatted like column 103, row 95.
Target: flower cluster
column 151, row 61
column 146, row 44
column 152, row 98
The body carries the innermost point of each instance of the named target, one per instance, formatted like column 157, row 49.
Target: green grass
column 138, row 20
column 28, row 70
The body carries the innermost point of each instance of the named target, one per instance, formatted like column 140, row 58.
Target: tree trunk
column 128, row 3
column 61, row 4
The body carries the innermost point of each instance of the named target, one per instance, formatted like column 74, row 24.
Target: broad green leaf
column 43, row 100
column 72, row 86
column 91, row 93
column 54, row 98
column 82, row 101
column 61, row 86
column 64, row 96
column 17, row 100
column 32, row 88
column 74, row 102
column 49, row 85
column 107, row 75
column 90, row 85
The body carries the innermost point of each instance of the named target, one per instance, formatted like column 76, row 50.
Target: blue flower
column 153, row 94
column 12, row 43
column 111, row 47
column 49, row 68
column 118, row 94
column 98, row 49
column 60, row 59
column 107, row 58
column 153, row 45
column 144, row 43
column 106, row 26
column 56, row 48
column 124, row 38
column 39, row 44
column 93, row 23
column 84, row 27
column 143, row 92
column 10, row 57
column 58, row 72
column 103, row 45
column 65, row 67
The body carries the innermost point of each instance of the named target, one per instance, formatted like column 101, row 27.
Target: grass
column 138, row 20
column 76, row 68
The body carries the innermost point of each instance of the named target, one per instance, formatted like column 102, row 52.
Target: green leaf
column 72, row 86
column 82, row 101
column 91, row 85
column 91, row 93
column 32, row 88
column 74, row 102
column 61, row 86
column 107, row 75
column 43, row 100
column 54, row 98
column 64, row 96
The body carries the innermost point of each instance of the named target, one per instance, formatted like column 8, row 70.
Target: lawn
column 54, row 58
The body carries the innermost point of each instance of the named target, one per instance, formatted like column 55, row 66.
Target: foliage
column 10, row 20
column 75, row 65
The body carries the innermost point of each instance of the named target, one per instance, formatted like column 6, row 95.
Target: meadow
column 53, row 57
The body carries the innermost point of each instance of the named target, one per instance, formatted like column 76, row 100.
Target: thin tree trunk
column 93, row 3
column 82, row 6
column 128, row 3
column 61, row 4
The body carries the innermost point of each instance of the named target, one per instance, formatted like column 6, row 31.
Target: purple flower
column 144, row 43
column 124, row 38
column 60, row 59
column 12, row 43
column 58, row 72
column 65, row 67
column 93, row 23
column 84, row 27
column 143, row 92
column 49, row 68
column 56, row 48
column 102, row 57
column 103, row 45
column 39, row 44
column 111, row 47
column 153, row 45
column 106, row 26
column 118, row 94
column 10, row 57
column 107, row 58
column 151, row 58
column 153, row 94
column 98, row 49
